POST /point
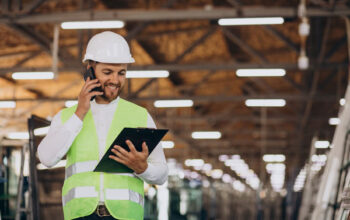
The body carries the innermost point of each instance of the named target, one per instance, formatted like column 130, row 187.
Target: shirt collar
column 113, row 103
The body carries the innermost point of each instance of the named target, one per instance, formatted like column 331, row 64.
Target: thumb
column 144, row 148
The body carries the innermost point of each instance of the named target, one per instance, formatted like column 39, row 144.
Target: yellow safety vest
column 123, row 193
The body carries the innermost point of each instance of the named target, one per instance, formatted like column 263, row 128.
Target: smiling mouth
column 112, row 87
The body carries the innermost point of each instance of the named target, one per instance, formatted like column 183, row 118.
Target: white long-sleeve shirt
column 60, row 137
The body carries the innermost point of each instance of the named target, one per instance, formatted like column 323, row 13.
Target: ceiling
column 202, row 57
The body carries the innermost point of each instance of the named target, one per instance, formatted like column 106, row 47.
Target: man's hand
column 135, row 160
column 85, row 96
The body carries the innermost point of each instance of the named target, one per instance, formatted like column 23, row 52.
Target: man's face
column 112, row 79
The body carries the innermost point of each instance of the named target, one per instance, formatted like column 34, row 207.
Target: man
column 85, row 131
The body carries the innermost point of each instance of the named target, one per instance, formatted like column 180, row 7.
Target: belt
column 102, row 211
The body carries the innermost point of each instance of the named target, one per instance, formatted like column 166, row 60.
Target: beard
column 108, row 95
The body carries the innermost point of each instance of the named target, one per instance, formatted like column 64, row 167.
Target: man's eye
column 121, row 73
column 107, row 72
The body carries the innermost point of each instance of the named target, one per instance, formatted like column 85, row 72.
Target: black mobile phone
column 91, row 73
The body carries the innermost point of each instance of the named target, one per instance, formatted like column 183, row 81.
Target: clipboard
column 137, row 136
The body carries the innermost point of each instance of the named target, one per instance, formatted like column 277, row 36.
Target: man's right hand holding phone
column 85, row 96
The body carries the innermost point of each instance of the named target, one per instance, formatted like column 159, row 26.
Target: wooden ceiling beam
column 259, row 57
column 196, row 43
column 43, row 42
column 28, row 57
column 177, row 59
column 37, row 39
column 141, row 26
column 336, row 46
column 243, row 45
column 191, row 90
column 174, row 14
column 282, row 37
column 30, row 8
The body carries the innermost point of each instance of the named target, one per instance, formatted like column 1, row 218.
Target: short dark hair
column 92, row 63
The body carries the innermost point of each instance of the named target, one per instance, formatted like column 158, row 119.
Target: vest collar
column 112, row 105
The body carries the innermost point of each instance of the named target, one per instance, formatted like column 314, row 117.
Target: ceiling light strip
column 147, row 74
column 322, row 144
column 260, row 72
column 7, row 104
column 206, row 135
column 173, row 103
column 92, row 24
column 265, row 102
column 250, row 21
column 32, row 75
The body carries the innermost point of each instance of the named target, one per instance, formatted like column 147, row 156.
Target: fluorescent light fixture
column 223, row 157
column 32, row 75
column 147, row 73
column 274, row 158
column 226, row 178
column 315, row 167
column 236, row 157
column 238, row 185
column 41, row 131
column 194, row 162
column 173, row 103
column 207, row 167
column 194, row 175
column 275, row 167
column 7, row 104
column 236, row 163
column 265, row 102
column 250, row 21
column 260, row 72
column 206, row 135
column 92, row 24
column 216, row 174
column 167, row 144
column 70, row 103
column 239, row 168
column 334, row 121
column 322, row 144
column 18, row 135
column 206, row 183
column 254, row 183
column 319, row 158
column 342, row 102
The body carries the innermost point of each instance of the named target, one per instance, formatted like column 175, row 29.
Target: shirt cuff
column 146, row 174
column 73, row 124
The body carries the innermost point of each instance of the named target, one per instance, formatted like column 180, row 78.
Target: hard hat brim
column 101, row 60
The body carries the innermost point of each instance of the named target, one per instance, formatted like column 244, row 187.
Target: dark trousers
column 94, row 216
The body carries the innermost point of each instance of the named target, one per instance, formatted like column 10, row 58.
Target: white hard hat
column 108, row 47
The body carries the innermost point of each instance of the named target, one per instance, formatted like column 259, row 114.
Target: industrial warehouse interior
column 254, row 95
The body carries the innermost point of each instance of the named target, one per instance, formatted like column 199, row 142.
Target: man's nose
column 114, row 78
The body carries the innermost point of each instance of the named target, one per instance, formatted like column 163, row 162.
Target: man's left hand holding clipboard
column 130, row 150
column 135, row 160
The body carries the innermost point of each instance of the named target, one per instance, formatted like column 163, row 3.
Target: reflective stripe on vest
column 79, row 192
column 126, row 174
column 80, row 167
column 124, row 194
column 87, row 166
